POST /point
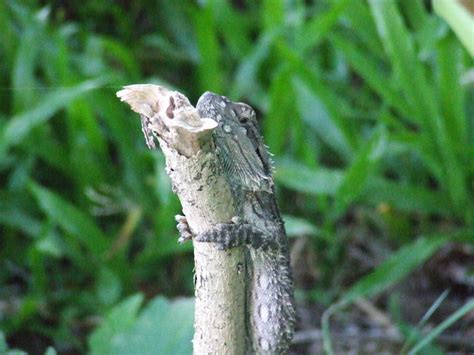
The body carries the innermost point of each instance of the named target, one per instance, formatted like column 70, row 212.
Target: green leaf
column 50, row 351
column 452, row 95
column 273, row 14
column 358, row 15
column 314, row 113
column 401, row 52
column 20, row 125
column 395, row 268
column 303, row 179
column 357, row 175
column 12, row 214
column 166, row 48
column 320, row 26
column 16, row 352
column 419, row 93
column 246, row 80
column 372, row 71
column 119, row 319
column 123, row 54
column 280, row 113
column 51, row 244
column 108, row 287
column 209, row 68
column 23, row 76
column 461, row 19
column 180, row 28
column 297, row 227
column 87, row 145
column 416, row 14
column 406, row 197
column 234, row 28
column 3, row 343
column 4, row 347
column 71, row 219
column 163, row 327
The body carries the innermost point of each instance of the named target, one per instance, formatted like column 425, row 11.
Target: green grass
column 362, row 103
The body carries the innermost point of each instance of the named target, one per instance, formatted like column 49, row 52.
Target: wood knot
column 170, row 109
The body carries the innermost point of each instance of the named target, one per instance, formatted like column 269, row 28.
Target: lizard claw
column 185, row 233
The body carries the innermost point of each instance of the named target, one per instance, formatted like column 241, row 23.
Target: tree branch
column 198, row 180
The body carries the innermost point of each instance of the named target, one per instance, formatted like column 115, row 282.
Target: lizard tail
column 271, row 304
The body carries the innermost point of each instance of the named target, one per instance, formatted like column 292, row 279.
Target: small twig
column 376, row 315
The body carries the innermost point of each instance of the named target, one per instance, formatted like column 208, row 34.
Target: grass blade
column 468, row 307
column 303, row 179
column 460, row 18
column 315, row 114
column 424, row 319
column 281, row 112
column 358, row 173
column 246, row 83
column 395, row 268
column 19, row 126
column 451, row 94
column 23, row 76
column 405, row 197
column 366, row 66
column 391, row 271
column 209, row 68
column 71, row 219
column 418, row 93
column 318, row 28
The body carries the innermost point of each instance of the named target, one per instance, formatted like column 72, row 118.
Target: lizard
column 258, row 226
column 270, row 308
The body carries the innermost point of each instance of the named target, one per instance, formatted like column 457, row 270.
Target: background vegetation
column 367, row 105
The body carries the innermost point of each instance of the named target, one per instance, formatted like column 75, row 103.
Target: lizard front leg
column 227, row 235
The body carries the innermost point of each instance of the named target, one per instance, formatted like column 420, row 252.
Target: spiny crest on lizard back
column 242, row 157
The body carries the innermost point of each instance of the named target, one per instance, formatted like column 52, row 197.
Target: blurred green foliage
column 367, row 107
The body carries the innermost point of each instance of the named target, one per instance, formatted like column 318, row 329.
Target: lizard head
column 238, row 142
column 215, row 106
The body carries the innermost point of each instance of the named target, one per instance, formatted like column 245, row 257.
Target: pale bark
column 198, row 180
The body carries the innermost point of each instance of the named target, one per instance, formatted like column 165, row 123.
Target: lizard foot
column 185, row 233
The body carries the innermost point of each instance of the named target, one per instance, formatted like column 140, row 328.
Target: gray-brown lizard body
column 259, row 226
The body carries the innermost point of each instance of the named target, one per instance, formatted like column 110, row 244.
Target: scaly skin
column 258, row 226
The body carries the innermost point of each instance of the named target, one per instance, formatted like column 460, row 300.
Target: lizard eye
column 244, row 112
column 243, row 119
